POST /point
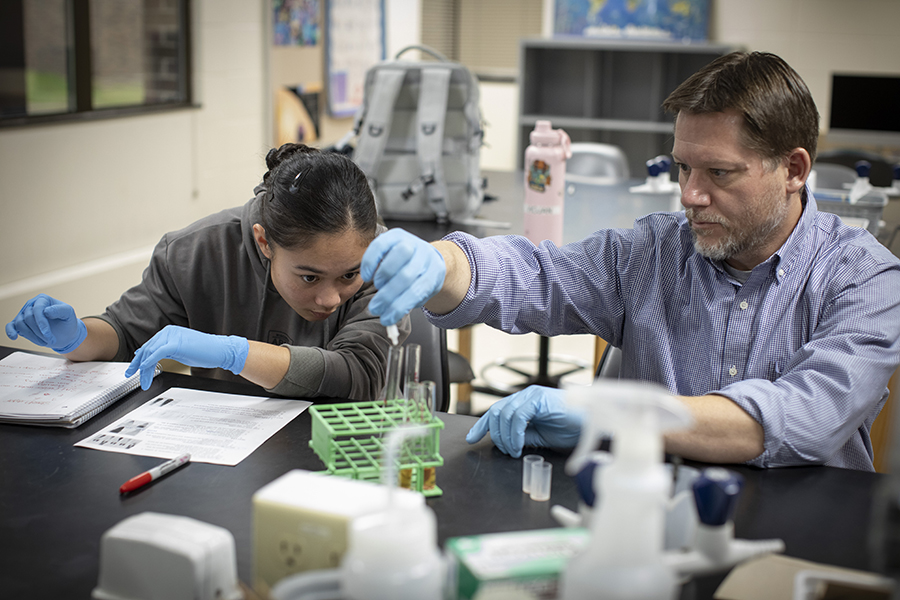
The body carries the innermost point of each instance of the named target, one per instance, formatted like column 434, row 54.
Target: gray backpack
column 419, row 139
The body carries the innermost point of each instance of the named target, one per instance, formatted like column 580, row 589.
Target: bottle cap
column 653, row 167
column 545, row 134
column 716, row 492
column 863, row 167
column 584, row 483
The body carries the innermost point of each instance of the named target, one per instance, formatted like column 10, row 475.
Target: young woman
column 270, row 291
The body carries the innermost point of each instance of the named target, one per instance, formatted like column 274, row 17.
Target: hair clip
column 295, row 187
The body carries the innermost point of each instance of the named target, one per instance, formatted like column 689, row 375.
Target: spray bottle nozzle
column 863, row 167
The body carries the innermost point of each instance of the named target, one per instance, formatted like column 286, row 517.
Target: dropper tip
column 393, row 334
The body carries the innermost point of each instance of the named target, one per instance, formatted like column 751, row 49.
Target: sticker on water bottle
column 539, row 176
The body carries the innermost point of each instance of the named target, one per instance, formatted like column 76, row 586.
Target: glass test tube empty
column 413, row 362
column 392, row 376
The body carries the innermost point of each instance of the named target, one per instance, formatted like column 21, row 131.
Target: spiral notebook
column 48, row 390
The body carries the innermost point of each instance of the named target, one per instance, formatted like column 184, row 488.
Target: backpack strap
column 432, row 109
column 374, row 126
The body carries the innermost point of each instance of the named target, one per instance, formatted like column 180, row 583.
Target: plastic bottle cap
column 544, row 133
column 716, row 492
column 584, row 483
column 653, row 168
column 863, row 167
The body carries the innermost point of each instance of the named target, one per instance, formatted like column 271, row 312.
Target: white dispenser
column 624, row 557
column 861, row 186
column 392, row 553
column 659, row 182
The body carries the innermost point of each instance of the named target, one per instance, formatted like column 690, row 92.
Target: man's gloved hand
column 190, row 348
column 406, row 270
column 48, row 322
column 536, row 416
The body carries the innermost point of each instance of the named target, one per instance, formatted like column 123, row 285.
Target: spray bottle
column 894, row 190
column 624, row 558
column 545, row 178
column 861, row 185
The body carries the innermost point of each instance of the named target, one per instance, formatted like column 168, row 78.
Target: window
column 74, row 58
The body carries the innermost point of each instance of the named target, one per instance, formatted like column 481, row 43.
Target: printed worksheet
column 221, row 429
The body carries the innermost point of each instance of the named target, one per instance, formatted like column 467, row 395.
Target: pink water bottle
column 545, row 182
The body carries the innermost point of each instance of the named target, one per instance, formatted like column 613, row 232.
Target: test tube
column 413, row 363
column 413, row 392
column 392, row 375
column 427, row 391
column 541, row 473
column 527, row 461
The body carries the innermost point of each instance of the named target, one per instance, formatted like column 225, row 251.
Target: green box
column 524, row 564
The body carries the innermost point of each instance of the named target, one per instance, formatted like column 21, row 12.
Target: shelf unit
column 608, row 91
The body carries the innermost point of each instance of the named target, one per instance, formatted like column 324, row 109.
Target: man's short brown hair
column 778, row 110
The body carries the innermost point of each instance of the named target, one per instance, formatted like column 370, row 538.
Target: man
column 777, row 325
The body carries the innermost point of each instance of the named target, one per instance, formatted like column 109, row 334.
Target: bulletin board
column 354, row 42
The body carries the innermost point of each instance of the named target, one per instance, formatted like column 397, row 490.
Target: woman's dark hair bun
column 276, row 156
column 310, row 192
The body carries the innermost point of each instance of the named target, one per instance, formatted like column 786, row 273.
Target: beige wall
column 816, row 37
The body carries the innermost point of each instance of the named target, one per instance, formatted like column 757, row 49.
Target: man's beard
column 754, row 229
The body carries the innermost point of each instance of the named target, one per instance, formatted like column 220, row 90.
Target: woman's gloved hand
column 190, row 348
column 536, row 416
column 407, row 271
column 46, row 321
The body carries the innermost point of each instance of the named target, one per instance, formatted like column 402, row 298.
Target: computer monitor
column 865, row 106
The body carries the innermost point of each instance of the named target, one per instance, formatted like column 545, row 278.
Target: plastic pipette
column 394, row 334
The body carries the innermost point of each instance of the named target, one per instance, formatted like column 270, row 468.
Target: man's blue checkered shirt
column 806, row 345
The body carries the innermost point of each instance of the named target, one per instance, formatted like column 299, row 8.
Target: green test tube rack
column 350, row 439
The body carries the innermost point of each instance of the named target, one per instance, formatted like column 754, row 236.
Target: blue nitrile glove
column 406, row 270
column 46, row 321
column 190, row 348
column 536, row 416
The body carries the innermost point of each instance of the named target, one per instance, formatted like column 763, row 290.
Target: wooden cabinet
column 606, row 91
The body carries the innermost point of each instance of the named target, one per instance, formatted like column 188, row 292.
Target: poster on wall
column 661, row 20
column 354, row 42
column 297, row 114
column 295, row 22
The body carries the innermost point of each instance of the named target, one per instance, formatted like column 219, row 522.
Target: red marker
column 154, row 473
